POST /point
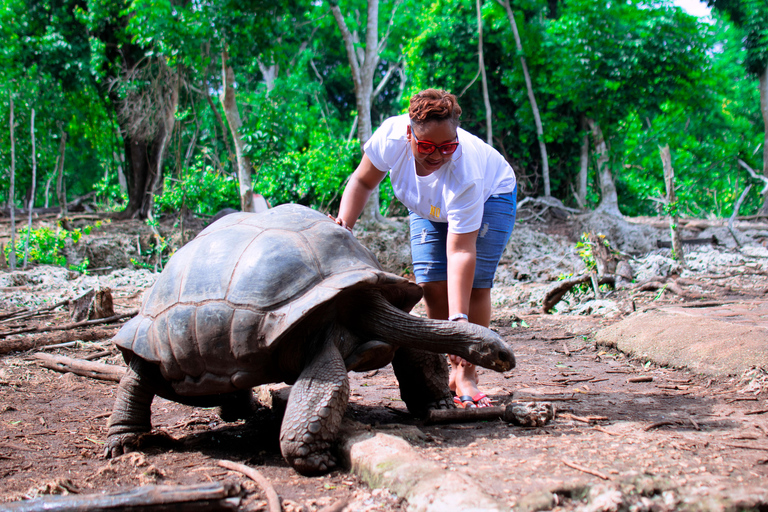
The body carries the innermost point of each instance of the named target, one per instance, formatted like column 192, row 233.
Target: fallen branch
column 587, row 419
column 712, row 240
column 272, row 498
column 671, row 286
column 200, row 497
column 41, row 342
column 586, row 470
column 557, row 292
column 746, row 447
column 644, row 378
column 26, row 313
column 736, row 208
column 75, row 325
column 531, row 414
column 605, row 431
column 659, row 424
column 82, row 367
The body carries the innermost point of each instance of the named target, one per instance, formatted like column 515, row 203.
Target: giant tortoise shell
column 285, row 295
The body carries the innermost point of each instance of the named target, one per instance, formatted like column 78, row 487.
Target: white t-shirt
column 457, row 191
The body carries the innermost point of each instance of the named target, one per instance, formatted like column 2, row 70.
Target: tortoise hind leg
column 314, row 412
column 236, row 405
column 131, row 414
column 423, row 379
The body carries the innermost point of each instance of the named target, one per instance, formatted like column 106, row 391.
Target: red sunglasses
column 427, row 148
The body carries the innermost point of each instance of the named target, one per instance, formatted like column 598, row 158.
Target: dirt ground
column 671, row 440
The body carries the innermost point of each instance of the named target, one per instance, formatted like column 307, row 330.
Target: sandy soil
column 675, row 439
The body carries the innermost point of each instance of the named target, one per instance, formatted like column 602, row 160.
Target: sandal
column 477, row 398
column 464, row 402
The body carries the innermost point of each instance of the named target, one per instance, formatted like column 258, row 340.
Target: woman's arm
column 362, row 182
column 461, row 252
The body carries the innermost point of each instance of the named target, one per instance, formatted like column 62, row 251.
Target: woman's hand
column 341, row 222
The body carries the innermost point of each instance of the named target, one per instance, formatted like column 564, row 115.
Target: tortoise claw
column 121, row 444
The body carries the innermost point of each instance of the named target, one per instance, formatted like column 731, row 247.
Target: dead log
column 664, row 286
column 82, row 367
column 79, row 307
column 689, row 241
column 42, row 342
column 530, row 414
column 92, row 305
column 557, row 291
column 206, row 497
column 75, row 325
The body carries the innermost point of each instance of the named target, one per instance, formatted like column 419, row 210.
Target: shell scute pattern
column 226, row 298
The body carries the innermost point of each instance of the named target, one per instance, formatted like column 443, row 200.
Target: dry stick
column 659, row 424
column 584, row 419
column 12, row 191
column 26, row 313
column 736, row 208
column 640, row 379
column 32, row 192
column 586, row 470
column 272, row 498
column 669, row 183
column 97, row 355
column 208, row 497
column 75, row 325
column 604, row 431
column 90, row 369
column 759, row 411
column 746, row 447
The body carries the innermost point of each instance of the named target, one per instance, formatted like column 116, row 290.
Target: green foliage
column 647, row 72
column 201, row 189
column 584, row 250
column 46, row 245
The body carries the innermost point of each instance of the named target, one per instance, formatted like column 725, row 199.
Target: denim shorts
column 428, row 241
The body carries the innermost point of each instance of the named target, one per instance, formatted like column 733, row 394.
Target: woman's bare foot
column 463, row 382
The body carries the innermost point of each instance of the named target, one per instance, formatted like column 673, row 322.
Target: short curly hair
column 434, row 105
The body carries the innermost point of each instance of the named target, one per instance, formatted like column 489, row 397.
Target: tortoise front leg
column 314, row 412
column 132, row 410
column 423, row 379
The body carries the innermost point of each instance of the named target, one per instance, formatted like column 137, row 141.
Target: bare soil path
column 629, row 433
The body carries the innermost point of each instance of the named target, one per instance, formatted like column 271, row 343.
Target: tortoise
column 289, row 296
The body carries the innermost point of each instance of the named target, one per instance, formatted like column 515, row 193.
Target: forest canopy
column 159, row 106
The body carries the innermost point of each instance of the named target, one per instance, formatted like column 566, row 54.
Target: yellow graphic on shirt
column 434, row 211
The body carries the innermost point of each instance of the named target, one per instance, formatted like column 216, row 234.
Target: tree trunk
column 137, row 158
column 32, row 194
column 159, row 148
column 581, row 195
column 121, row 181
column 363, row 65
column 669, row 183
column 531, row 99
column 764, row 110
column 61, row 191
column 481, row 65
column 11, row 194
column 609, row 200
column 233, row 118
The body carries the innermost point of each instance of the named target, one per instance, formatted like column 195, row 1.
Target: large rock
column 720, row 340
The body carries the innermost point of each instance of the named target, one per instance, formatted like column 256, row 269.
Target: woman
column 461, row 195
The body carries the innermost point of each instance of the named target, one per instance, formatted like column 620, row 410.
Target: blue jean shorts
column 428, row 241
